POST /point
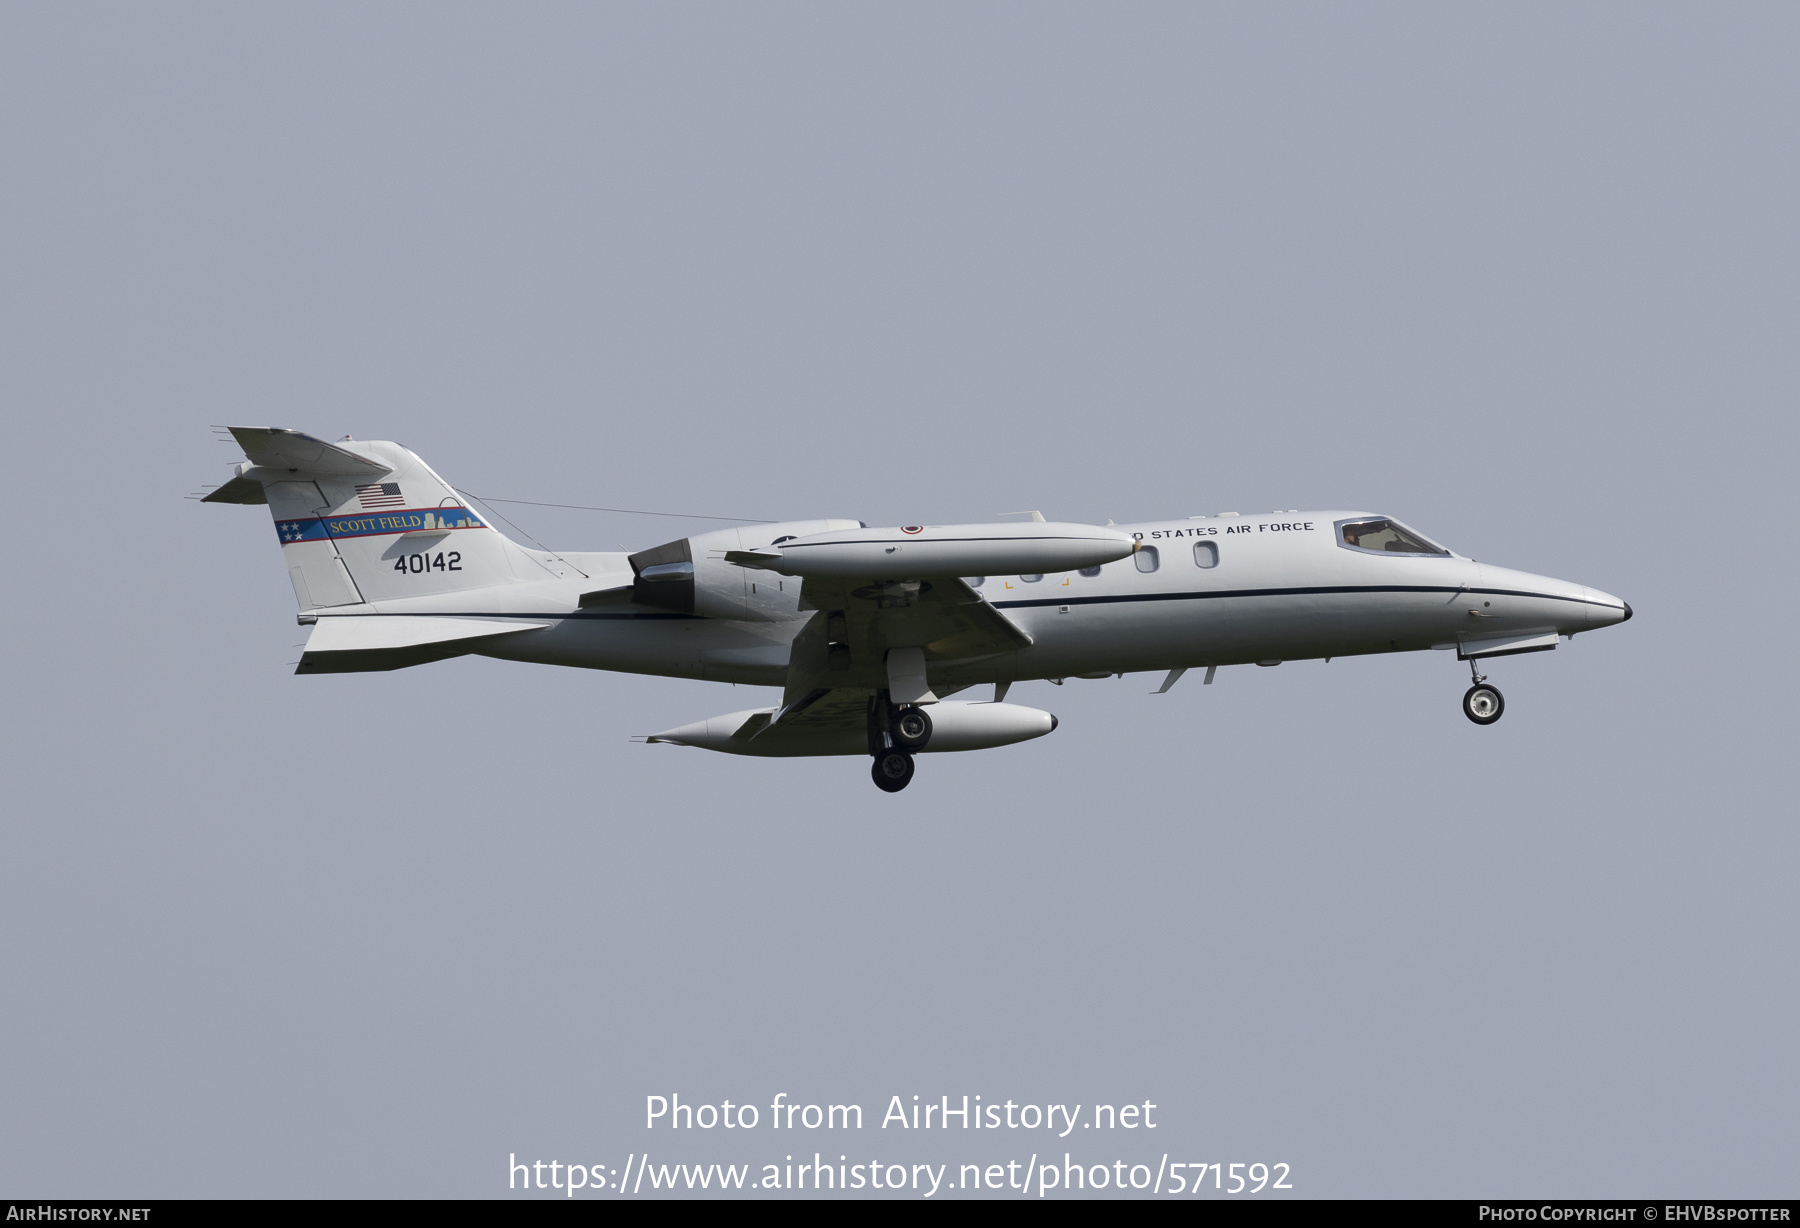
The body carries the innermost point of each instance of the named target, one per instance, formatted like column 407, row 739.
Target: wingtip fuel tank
column 955, row 725
column 909, row 551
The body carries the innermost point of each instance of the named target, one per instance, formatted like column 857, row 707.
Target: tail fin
column 368, row 521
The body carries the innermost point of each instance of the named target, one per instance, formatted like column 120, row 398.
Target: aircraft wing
column 856, row 625
column 823, row 714
column 943, row 615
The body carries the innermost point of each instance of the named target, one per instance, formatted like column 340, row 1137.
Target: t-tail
column 362, row 522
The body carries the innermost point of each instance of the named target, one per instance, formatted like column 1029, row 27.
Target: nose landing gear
column 1482, row 703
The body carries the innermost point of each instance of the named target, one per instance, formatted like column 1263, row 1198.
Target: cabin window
column 1090, row 572
column 1147, row 559
column 1206, row 554
column 1032, row 579
column 974, row 581
column 1386, row 536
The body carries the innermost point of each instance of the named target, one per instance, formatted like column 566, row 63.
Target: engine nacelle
column 955, row 725
column 691, row 576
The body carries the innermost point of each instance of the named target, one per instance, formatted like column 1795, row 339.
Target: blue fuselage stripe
column 412, row 520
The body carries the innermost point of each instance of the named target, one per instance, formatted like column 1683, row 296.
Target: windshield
column 1386, row 536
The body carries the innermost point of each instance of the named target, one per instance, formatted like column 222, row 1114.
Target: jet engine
column 690, row 575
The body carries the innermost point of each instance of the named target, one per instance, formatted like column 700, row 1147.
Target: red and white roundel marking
column 912, row 528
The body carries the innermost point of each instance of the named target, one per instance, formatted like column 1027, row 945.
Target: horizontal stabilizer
column 239, row 490
column 278, row 448
column 344, row 644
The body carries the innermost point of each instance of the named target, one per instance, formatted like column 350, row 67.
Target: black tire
column 1483, row 704
column 911, row 729
column 893, row 770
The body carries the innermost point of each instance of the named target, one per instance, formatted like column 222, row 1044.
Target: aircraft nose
column 1606, row 610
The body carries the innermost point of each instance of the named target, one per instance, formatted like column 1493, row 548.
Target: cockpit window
column 1386, row 536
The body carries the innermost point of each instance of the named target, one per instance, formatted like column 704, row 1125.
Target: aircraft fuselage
column 1218, row 590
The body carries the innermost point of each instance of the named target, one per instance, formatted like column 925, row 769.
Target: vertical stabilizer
column 368, row 521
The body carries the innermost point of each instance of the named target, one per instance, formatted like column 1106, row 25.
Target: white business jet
column 868, row 631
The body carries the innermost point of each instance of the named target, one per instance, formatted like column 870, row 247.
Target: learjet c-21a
column 868, row 631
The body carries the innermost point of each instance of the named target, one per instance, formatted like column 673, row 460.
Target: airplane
column 868, row 632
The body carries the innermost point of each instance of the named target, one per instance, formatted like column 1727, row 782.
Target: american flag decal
column 380, row 494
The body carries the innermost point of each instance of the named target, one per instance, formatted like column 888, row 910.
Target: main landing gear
column 893, row 770
column 896, row 733
column 1482, row 703
column 911, row 729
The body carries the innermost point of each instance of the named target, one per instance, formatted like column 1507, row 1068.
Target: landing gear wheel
column 911, row 729
column 893, row 770
column 1483, row 704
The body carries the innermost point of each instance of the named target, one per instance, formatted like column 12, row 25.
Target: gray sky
column 1524, row 276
